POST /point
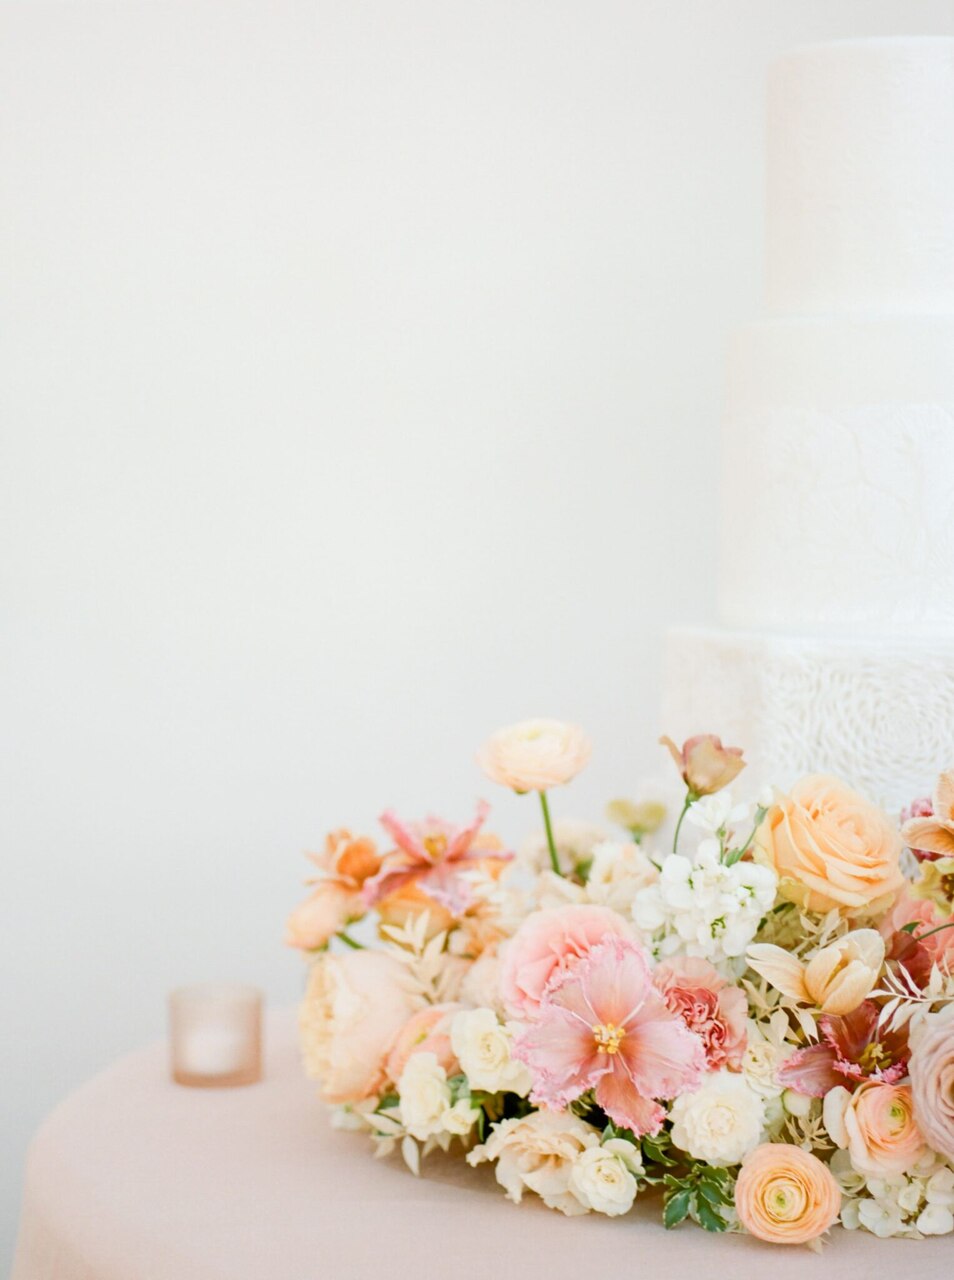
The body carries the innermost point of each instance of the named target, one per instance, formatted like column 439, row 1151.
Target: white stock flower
column 604, row 1178
column 537, row 1153
column 712, row 813
column 483, row 1048
column 721, row 1122
column 704, row 908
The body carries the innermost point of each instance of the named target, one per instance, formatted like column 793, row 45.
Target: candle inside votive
column 215, row 1035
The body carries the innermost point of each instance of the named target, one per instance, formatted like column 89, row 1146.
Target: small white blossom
column 704, row 908
column 935, row 1220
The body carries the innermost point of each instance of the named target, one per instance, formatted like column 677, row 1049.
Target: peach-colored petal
column 778, row 967
column 928, row 834
column 786, row 1195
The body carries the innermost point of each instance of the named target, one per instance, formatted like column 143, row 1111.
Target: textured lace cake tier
column 879, row 715
column 838, row 477
column 861, row 177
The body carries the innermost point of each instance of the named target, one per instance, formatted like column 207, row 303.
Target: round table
column 135, row 1178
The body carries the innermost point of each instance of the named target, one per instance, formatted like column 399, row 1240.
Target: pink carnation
column 547, row 945
column 603, row 1026
column 698, row 994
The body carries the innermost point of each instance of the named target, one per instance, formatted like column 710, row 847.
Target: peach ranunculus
column 547, row 945
column 786, row 1195
column 535, row 755
column 695, row 990
column 877, row 1126
column 835, row 980
column 932, row 1081
column 427, row 1031
column 831, row 848
column 705, row 764
column 326, row 910
column 354, row 1007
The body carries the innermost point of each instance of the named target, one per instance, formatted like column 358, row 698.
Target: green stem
column 551, row 843
column 690, row 797
column 919, row 937
column 346, row 938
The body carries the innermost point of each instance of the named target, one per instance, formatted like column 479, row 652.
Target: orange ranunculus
column 786, row 1195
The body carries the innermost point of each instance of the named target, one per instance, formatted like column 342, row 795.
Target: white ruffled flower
column 537, row 1153
column 481, row 984
column 483, row 1049
column 721, row 1122
column 618, row 871
column 574, row 840
column 765, row 1052
column 704, row 908
column 604, row 1178
column 427, row 1106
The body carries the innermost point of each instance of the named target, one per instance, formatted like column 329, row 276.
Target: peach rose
column 427, row 1031
column 326, row 910
column 705, row 764
column 535, row 755
column 549, row 943
column 876, row 1124
column 831, row 849
column 354, row 1007
column 932, row 1081
column 786, row 1195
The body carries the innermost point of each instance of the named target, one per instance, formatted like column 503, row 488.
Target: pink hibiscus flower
column 852, row 1049
column 432, row 854
column 603, row 1026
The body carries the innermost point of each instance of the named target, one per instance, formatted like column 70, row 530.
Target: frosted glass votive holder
column 215, row 1035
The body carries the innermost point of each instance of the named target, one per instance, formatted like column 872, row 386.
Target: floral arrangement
column 751, row 1021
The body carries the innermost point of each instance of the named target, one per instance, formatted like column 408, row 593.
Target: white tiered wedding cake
column 836, row 570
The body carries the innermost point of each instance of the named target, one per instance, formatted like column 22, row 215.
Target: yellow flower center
column 608, row 1037
column 435, row 846
column 874, row 1057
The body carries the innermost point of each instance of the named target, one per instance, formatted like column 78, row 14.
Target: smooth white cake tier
column 861, row 177
column 837, row 485
column 879, row 715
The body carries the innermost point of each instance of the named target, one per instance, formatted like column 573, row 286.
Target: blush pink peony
column 547, row 945
column 603, row 1026
column 696, row 992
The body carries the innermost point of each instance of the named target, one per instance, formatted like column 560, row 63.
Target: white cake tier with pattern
column 861, row 177
column 879, row 715
column 837, row 485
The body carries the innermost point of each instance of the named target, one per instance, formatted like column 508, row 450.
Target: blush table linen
column 136, row 1178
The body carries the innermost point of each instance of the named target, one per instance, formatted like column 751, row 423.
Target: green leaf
column 714, row 1195
column 677, row 1208
column 709, row 1218
column 910, row 928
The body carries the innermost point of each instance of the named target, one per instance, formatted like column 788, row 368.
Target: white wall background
column 361, row 363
